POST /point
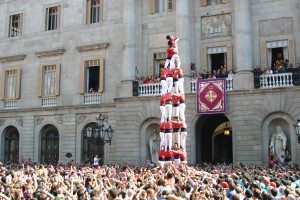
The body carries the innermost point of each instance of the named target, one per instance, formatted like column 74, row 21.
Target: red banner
column 211, row 96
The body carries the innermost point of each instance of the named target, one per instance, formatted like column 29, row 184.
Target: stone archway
column 211, row 143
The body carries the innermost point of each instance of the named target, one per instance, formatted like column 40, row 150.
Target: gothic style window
column 52, row 18
column 89, row 148
column 11, row 147
column 15, row 25
column 94, row 12
column 49, row 145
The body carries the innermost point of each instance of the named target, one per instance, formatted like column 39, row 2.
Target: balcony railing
column 92, row 98
column 151, row 89
column 276, row 80
column 49, row 101
column 10, row 104
column 154, row 89
column 229, row 85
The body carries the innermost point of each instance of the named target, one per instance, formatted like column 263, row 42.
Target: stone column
column 183, row 32
column 128, row 61
column 243, row 41
column 129, row 47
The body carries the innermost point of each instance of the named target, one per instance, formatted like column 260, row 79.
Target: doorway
column 277, row 57
column 217, row 60
column 211, row 143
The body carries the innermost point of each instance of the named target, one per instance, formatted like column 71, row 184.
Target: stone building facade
column 65, row 61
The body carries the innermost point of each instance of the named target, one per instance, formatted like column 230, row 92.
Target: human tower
column 173, row 129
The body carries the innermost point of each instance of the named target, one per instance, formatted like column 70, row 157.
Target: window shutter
column 203, row 2
column 57, row 79
column 88, row 11
column 101, row 76
column 3, row 84
column 9, row 26
column 58, row 16
column 82, row 78
column 152, row 6
column 171, row 5
column 292, row 52
column 40, row 81
column 47, row 19
column 229, row 56
column 21, row 23
column 101, row 10
column 203, row 58
column 18, row 84
column 263, row 54
column 225, row 1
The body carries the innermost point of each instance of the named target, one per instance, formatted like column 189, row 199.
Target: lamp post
column 226, row 130
column 100, row 134
column 297, row 126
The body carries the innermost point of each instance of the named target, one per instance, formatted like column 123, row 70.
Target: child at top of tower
column 172, row 39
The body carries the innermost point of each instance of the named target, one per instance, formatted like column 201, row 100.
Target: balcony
column 10, row 104
column 49, row 101
column 154, row 89
column 92, row 98
column 276, row 80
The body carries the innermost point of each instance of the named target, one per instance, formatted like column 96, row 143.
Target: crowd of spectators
column 205, row 74
column 149, row 182
column 148, row 79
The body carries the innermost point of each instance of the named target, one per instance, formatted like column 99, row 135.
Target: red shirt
column 163, row 74
column 167, row 98
column 176, row 72
column 181, row 97
column 167, row 125
column 161, row 101
column 182, row 124
column 172, row 39
column 161, row 154
column 176, row 125
column 175, row 99
column 168, row 155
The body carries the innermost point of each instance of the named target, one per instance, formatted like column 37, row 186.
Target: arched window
column 11, row 147
column 90, row 149
column 49, row 145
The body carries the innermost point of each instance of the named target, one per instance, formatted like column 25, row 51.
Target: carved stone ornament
column 20, row 121
column 80, row 119
column 59, row 119
column 38, row 120
column 216, row 26
column 2, row 122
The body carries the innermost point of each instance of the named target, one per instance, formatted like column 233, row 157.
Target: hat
column 273, row 184
column 224, row 184
column 266, row 180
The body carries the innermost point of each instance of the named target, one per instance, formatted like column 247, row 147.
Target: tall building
column 65, row 61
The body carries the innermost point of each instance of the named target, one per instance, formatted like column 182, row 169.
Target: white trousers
column 181, row 84
column 162, row 139
column 175, row 111
column 168, row 140
column 172, row 62
column 163, row 87
column 168, row 111
column 163, row 113
column 183, row 136
column 181, row 111
column 175, row 138
column 169, row 86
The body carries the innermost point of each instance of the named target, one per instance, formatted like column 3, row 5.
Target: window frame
column 19, row 33
column 41, row 80
column 166, row 6
column 4, row 83
column 83, row 75
column 58, row 17
column 89, row 17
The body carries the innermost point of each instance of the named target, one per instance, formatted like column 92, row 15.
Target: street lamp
column 100, row 135
column 226, row 130
column 297, row 126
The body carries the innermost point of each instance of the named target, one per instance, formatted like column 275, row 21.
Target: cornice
column 92, row 47
column 53, row 52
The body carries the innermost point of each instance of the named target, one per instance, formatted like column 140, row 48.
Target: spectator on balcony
column 221, row 73
column 230, row 73
column 204, row 74
column 193, row 69
column 269, row 71
column 147, row 80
